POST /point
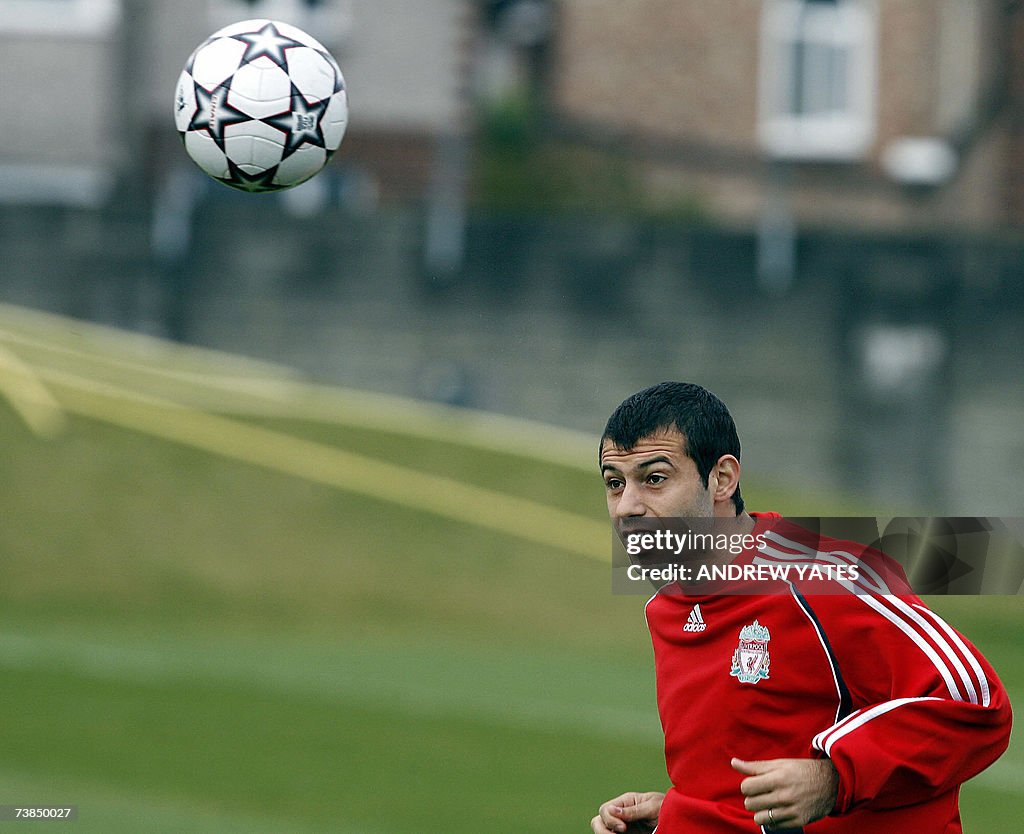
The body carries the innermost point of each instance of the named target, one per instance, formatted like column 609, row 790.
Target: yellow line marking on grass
column 316, row 462
column 101, row 339
column 216, row 381
column 268, row 381
column 27, row 395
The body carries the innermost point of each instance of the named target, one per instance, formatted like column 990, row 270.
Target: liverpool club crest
column 750, row 661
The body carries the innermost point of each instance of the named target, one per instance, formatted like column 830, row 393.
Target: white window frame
column 845, row 133
column 67, row 18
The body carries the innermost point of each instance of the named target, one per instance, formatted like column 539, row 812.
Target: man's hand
column 630, row 812
column 795, row 791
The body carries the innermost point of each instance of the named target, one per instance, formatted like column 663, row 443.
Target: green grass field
column 230, row 601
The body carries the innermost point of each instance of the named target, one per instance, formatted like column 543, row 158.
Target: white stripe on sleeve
column 824, row 740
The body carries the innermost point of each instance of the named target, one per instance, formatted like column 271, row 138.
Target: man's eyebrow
column 652, row 461
column 644, row 464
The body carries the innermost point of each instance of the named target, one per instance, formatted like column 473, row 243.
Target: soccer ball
column 261, row 106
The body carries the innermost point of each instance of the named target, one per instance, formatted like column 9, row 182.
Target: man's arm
column 630, row 812
column 929, row 711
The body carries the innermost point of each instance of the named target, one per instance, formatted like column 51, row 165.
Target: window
column 817, row 85
column 74, row 18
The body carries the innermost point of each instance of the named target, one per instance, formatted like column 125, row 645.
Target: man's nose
column 630, row 504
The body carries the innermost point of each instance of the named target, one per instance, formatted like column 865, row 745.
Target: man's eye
column 656, row 478
column 613, row 484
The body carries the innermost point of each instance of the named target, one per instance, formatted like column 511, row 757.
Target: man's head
column 671, row 450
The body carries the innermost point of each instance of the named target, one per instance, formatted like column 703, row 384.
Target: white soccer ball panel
column 335, row 121
column 206, row 154
column 301, row 165
column 184, row 102
column 312, row 74
column 253, row 146
column 216, row 62
column 254, row 154
column 261, row 89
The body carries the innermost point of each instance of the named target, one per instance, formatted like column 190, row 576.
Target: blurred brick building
column 897, row 114
column 731, row 105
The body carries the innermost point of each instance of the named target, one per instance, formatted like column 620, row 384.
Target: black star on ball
column 268, row 42
column 255, row 183
column 214, row 113
column 301, row 124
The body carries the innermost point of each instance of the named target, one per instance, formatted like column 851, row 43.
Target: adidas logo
column 695, row 622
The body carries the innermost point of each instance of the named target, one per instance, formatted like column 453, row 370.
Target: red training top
column 861, row 672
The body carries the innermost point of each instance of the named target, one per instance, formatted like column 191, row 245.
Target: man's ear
column 727, row 478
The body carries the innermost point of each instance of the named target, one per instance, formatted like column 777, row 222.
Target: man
column 849, row 708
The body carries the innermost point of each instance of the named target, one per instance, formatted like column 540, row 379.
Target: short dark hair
column 698, row 415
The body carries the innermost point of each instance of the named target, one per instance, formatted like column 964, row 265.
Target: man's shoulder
column 858, row 565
